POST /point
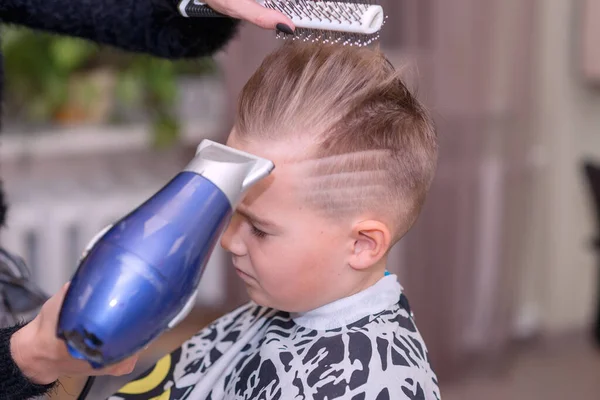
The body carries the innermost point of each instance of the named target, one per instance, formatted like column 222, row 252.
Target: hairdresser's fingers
column 123, row 368
column 265, row 17
column 254, row 13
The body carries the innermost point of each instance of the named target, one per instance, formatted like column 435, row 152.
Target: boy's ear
column 371, row 241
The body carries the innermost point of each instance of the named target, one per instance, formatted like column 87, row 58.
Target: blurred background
column 502, row 269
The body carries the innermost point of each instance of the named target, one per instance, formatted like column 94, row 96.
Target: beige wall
column 559, row 288
column 590, row 30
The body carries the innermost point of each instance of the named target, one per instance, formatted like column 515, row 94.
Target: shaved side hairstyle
column 369, row 145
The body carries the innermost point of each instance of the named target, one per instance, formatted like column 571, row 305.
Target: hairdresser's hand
column 252, row 12
column 43, row 358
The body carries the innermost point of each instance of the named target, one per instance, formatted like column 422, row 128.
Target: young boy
column 355, row 154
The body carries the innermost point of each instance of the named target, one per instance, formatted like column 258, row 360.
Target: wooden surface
column 556, row 368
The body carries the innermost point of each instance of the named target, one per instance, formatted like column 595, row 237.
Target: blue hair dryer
column 139, row 277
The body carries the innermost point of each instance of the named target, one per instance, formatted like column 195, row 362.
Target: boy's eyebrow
column 254, row 218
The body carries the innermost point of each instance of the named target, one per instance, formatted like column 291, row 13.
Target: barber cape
column 362, row 347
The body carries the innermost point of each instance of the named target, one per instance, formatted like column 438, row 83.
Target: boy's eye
column 257, row 232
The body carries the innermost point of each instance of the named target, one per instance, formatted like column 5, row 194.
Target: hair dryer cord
column 86, row 388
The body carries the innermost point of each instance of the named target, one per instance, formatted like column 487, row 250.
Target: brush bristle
column 342, row 11
column 330, row 37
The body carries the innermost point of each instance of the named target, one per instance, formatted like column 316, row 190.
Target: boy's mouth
column 244, row 275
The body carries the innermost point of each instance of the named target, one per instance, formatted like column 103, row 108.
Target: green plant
column 39, row 68
column 152, row 83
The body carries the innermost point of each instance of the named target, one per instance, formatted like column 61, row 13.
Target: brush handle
column 348, row 17
column 197, row 9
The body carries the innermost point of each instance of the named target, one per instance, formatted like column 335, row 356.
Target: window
column 32, row 252
column 74, row 246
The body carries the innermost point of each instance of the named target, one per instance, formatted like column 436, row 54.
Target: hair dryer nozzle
column 233, row 171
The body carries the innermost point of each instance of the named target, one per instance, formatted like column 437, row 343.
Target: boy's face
column 289, row 256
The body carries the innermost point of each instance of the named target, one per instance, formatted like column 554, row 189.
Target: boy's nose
column 231, row 240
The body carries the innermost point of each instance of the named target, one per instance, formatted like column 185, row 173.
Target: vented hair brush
column 348, row 22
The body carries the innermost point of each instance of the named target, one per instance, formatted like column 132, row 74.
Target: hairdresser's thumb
column 265, row 17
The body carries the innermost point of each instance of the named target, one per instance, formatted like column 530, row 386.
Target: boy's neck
column 384, row 294
column 369, row 277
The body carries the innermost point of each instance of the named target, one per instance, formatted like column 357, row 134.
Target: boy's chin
column 261, row 300
column 257, row 297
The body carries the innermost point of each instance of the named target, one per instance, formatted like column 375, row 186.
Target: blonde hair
column 373, row 147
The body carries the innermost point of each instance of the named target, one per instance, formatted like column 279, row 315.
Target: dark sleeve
column 13, row 384
column 149, row 26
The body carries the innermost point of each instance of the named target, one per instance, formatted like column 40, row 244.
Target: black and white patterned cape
column 364, row 347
